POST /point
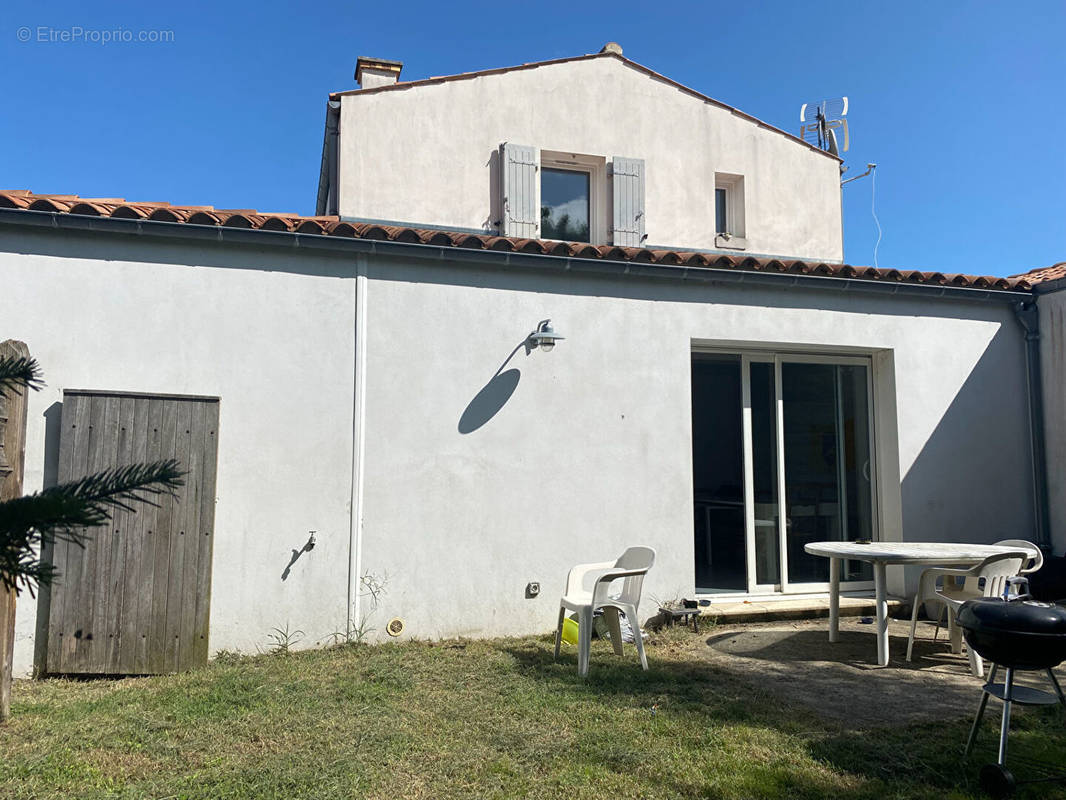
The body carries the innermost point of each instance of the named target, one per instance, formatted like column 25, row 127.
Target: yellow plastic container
column 570, row 631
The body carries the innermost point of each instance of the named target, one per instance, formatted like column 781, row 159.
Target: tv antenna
column 821, row 121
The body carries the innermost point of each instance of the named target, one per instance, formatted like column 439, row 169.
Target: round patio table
column 881, row 554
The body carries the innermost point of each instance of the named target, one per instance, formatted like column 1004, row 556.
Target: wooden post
column 12, row 462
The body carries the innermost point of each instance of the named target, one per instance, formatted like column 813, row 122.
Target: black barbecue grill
column 1015, row 634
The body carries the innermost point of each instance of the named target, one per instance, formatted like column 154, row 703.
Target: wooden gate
column 136, row 599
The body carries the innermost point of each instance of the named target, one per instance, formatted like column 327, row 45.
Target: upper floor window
column 548, row 194
column 729, row 211
column 572, row 198
column 564, row 205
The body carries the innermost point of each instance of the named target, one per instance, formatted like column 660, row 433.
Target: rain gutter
column 318, row 243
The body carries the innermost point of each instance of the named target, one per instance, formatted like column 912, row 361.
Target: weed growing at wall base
column 372, row 589
column 282, row 640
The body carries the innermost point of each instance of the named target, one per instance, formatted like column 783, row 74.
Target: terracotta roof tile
column 334, row 226
column 1043, row 274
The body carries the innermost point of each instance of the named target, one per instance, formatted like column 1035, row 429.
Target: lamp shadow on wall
column 493, row 396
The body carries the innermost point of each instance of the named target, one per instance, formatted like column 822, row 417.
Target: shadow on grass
column 686, row 684
column 856, row 649
column 681, row 686
column 768, row 671
column 932, row 755
column 895, row 760
column 723, row 723
column 840, row 681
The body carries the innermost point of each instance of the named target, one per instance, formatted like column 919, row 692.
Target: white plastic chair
column 586, row 591
column 987, row 579
column 1036, row 555
column 1032, row 564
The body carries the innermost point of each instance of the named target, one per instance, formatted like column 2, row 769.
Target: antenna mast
column 821, row 121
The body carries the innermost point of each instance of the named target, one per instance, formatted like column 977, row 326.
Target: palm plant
column 63, row 512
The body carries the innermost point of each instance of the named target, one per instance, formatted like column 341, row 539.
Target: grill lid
column 1017, row 616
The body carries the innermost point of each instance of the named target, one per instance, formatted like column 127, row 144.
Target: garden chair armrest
column 576, row 577
column 614, row 575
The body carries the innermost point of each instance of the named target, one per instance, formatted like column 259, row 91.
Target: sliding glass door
column 718, row 474
column 782, row 456
column 827, row 448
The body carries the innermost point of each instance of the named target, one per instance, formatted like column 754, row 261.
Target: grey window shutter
column 520, row 217
column 628, row 202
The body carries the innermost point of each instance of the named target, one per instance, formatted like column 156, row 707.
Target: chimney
column 374, row 72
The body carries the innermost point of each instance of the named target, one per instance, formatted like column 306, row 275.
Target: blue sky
column 962, row 105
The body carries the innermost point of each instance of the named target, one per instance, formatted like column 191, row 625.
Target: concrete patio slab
column 841, row 681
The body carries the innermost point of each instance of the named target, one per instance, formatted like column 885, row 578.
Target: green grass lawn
column 473, row 719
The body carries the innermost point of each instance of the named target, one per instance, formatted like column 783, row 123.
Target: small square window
column 565, row 205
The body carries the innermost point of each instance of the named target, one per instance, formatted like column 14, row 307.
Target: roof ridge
column 603, row 54
column 331, row 225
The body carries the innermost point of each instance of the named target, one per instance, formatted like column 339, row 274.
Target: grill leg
column 1004, row 728
column 980, row 712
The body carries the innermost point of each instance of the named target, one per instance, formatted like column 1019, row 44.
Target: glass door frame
column 778, row 358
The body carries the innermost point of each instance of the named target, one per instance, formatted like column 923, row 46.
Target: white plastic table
column 881, row 554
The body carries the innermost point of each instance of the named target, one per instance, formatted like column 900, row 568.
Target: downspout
column 355, row 541
column 333, row 126
column 1026, row 312
column 328, row 189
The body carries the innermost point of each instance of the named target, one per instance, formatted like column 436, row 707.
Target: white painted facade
column 591, row 452
column 428, row 154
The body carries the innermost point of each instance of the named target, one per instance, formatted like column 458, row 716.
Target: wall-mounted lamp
column 544, row 336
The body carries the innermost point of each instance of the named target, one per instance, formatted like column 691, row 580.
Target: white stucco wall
column 1052, row 310
column 276, row 347
column 591, row 452
column 429, row 154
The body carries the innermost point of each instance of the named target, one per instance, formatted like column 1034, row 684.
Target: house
column 376, row 442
